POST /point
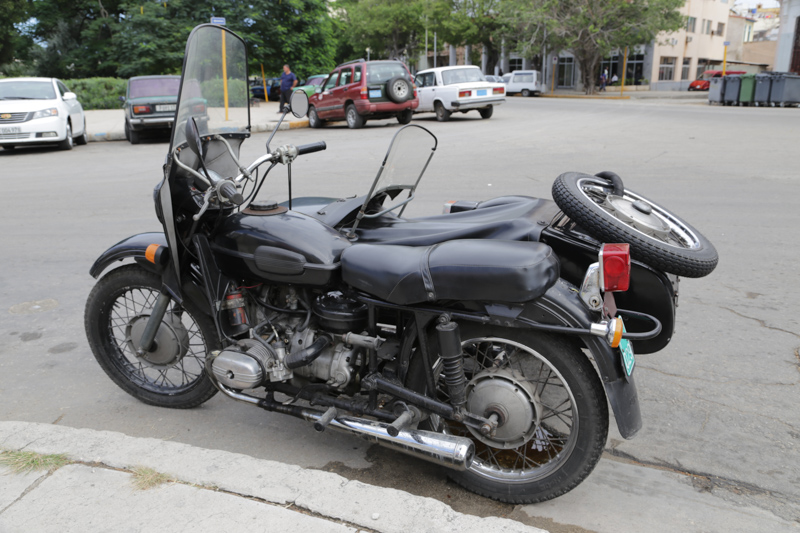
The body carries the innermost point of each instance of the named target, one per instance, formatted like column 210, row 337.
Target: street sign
column 555, row 60
column 218, row 20
column 727, row 43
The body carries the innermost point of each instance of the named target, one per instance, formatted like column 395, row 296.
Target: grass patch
column 146, row 478
column 24, row 462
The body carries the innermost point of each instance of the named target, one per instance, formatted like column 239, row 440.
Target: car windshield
column 461, row 75
column 379, row 72
column 27, row 90
column 316, row 81
column 154, row 87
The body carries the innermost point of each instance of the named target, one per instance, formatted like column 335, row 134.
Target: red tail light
column 498, row 90
column 139, row 109
column 199, row 108
column 615, row 267
column 364, row 93
column 464, row 94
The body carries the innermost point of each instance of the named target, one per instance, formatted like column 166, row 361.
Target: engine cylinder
column 339, row 314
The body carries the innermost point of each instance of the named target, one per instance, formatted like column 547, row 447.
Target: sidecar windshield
column 214, row 85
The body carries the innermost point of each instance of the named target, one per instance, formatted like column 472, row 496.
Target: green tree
column 590, row 29
column 389, row 28
column 14, row 12
column 469, row 22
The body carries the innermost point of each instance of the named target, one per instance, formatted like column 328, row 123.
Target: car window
column 461, row 75
column 316, row 81
column 27, row 90
column 154, row 87
column 523, row 78
column 357, row 77
column 383, row 71
column 62, row 88
column 332, row 80
column 345, row 77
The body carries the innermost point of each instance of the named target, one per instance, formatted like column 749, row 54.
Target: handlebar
column 311, row 148
column 229, row 192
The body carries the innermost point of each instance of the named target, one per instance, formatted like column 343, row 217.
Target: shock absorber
column 451, row 354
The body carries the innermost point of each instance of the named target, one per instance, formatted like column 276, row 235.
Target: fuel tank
column 266, row 242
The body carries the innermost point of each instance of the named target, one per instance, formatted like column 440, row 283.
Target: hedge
column 98, row 93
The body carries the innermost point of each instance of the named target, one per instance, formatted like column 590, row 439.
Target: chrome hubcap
column 171, row 341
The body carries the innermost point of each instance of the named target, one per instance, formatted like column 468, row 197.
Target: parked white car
column 447, row 90
column 524, row 82
column 40, row 110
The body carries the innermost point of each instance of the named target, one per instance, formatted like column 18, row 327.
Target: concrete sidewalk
column 109, row 124
column 201, row 490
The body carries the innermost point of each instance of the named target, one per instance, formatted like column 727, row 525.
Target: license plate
column 165, row 107
column 626, row 349
column 11, row 129
column 375, row 93
column 481, row 92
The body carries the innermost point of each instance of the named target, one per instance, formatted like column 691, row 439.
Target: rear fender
column 134, row 247
column 562, row 306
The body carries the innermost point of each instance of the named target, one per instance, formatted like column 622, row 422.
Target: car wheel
column 354, row 120
column 83, row 139
column 399, row 90
column 131, row 135
column 486, row 112
column 404, row 117
column 67, row 143
column 442, row 114
column 525, row 92
column 313, row 118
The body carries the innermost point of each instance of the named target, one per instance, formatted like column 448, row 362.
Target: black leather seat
column 478, row 270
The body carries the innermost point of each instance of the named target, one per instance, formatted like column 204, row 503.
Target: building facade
column 787, row 57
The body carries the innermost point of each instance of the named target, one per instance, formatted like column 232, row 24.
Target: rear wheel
column 525, row 92
column 551, row 409
column 83, row 138
column 354, row 120
column 442, row 114
column 486, row 112
column 173, row 373
column 404, row 117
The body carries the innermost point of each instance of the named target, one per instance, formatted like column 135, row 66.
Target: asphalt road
column 720, row 447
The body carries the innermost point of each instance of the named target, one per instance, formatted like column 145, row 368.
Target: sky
column 754, row 3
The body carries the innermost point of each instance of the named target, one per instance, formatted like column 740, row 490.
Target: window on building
column 748, row 33
column 566, row 72
column 691, row 24
column 515, row 63
column 666, row 70
column 687, row 65
column 707, row 29
column 721, row 29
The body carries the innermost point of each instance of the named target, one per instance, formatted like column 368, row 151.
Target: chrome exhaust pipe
column 449, row 451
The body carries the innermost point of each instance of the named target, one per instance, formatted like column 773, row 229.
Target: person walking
column 288, row 83
column 603, row 80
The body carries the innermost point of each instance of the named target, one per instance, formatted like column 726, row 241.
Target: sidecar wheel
column 552, row 408
column 173, row 373
column 657, row 237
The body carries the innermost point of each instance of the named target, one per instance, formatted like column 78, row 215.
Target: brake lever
column 206, row 202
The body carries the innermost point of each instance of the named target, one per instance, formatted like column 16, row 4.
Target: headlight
column 44, row 113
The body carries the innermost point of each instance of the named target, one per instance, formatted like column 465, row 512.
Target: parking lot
column 720, row 446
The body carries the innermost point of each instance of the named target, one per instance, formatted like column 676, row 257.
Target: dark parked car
column 150, row 104
column 273, row 89
column 361, row 90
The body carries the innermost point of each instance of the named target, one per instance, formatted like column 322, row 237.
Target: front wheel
column 67, row 143
column 172, row 373
column 551, row 410
column 313, row 118
column 657, row 237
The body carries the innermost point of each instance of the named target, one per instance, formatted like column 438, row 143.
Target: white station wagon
column 447, row 90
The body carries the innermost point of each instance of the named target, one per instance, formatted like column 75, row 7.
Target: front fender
column 562, row 306
column 132, row 247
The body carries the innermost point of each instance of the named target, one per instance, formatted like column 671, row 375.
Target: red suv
column 361, row 90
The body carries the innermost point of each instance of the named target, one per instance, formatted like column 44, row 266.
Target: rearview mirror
column 193, row 138
column 299, row 104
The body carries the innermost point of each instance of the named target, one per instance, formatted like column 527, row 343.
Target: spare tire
column 657, row 237
column 398, row 89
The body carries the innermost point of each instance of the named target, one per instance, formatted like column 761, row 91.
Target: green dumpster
column 747, row 90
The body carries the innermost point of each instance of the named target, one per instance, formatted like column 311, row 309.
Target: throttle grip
column 310, row 148
column 228, row 190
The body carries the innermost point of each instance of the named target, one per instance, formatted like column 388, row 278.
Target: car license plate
column 165, row 107
column 375, row 93
column 626, row 349
column 11, row 129
column 481, row 92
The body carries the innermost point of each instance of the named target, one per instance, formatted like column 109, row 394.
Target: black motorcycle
column 489, row 339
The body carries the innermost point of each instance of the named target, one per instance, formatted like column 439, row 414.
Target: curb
column 585, row 97
column 323, row 493
column 255, row 128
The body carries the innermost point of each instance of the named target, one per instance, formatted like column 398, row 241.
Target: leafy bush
column 214, row 92
column 98, row 93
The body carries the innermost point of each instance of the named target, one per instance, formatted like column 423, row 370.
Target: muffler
column 447, row 450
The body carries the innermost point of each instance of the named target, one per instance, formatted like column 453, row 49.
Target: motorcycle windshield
column 406, row 160
column 213, row 85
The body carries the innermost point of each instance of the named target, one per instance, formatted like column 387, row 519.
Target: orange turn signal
column 150, row 252
column 617, row 324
